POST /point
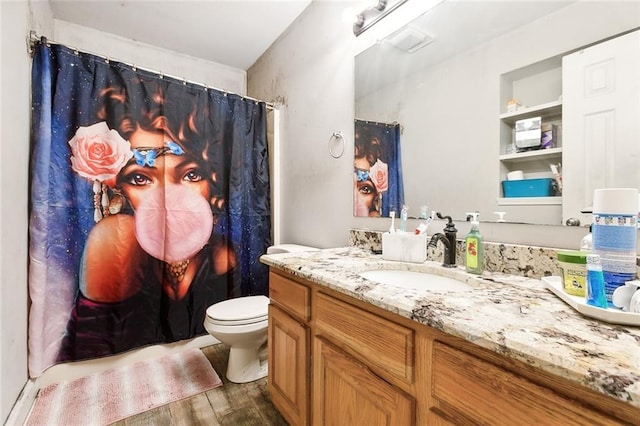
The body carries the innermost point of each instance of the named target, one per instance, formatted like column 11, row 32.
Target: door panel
column 601, row 121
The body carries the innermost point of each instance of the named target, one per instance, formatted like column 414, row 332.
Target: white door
column 601, row 121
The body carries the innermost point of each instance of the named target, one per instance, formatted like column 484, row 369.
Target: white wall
column 150, row 57
column 311, row 66
column 14, row 172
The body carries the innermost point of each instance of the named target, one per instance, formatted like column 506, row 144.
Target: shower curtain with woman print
column 378, row 188
column 149, row 202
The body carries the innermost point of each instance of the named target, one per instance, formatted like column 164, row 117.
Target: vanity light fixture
column 373, row 14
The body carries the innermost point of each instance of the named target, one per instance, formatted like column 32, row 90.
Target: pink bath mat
column 112, row 395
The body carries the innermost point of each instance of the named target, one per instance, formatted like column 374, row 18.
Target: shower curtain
column 149, row 202
column 378, row 169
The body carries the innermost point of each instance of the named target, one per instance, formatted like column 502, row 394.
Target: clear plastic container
column 574, row 271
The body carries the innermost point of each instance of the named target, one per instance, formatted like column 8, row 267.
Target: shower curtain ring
column 336, row 137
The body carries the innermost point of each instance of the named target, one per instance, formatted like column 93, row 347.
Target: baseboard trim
column 22, row 407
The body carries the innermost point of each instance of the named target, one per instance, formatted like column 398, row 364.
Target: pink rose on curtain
column 379, row 175
column 98, row 153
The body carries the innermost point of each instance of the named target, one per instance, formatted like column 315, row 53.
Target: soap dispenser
column 474, row 247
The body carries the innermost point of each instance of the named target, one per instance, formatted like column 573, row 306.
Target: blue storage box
column 545, row 187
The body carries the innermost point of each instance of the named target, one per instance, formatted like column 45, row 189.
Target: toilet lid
column 241, row 310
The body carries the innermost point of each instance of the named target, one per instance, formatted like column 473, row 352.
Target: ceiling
column 230, row 32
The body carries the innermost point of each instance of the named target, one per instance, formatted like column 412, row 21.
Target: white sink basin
column 415, row 280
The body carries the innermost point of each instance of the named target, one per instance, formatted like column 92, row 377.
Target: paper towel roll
column 616, row 201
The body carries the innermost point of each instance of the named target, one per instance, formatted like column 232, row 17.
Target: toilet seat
column 239, row 311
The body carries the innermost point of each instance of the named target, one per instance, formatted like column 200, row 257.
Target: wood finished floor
column 230, row 404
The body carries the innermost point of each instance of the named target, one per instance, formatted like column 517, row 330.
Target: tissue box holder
column 404, row 247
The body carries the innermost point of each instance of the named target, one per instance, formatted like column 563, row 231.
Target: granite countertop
column 511, row 315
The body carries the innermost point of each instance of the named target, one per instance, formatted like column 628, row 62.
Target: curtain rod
column 34, row 39
column 394, row 123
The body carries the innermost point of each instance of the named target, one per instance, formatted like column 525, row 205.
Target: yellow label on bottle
column 472, row 253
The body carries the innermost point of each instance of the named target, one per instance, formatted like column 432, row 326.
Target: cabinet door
column 469, row 390
column 601, row 129
column 345, row 392
column 288, row 380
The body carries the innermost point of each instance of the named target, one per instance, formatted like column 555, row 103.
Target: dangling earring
column 97, row 201
column 104, row 201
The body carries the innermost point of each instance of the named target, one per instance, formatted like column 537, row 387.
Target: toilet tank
column 289, row 248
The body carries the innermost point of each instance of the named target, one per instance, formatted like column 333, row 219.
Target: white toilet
column 241, row 323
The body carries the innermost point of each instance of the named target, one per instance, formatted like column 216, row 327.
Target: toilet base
column 247, row 365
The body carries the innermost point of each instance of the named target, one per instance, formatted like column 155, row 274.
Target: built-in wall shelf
column 538, row 87
column 538, row 154
column 530, row 201
column 549, row 109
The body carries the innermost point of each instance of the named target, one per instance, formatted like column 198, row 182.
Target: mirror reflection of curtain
column 378, row 187
column 149, row 203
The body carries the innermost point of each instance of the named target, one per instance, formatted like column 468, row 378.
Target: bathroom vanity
column 347, row 350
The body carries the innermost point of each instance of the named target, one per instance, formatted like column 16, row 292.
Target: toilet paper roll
column 515, row 175
column 616, row 201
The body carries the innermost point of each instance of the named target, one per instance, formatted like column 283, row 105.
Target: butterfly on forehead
column 146, row 157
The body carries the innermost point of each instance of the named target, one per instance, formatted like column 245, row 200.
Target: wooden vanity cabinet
column 289, row 348
column 361, row 363
column 468, row 390
column 335, row 360
column 347, row 392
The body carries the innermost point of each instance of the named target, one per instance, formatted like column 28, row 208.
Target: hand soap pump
column 474, row 247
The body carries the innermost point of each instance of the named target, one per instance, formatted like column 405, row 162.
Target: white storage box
column 404, row 247
column 528, row 133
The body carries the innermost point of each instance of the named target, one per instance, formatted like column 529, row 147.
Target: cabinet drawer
column 385, row 345
column 470, row 390
column 292, row 296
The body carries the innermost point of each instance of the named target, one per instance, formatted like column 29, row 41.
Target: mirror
column 446, row 78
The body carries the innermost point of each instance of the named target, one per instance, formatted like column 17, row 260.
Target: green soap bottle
column 474, row 247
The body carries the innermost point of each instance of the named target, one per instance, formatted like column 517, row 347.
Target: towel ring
column 336, row 137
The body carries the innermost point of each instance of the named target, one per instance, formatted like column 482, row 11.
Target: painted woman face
column 169, row 195
column 136, row 180
column 364, row 191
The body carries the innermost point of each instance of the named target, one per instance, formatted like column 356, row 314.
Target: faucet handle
column 439, row 215
column 450, row 226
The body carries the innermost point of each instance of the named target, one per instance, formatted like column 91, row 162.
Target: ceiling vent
column 409, row 39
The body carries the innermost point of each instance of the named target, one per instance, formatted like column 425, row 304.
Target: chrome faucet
column 448, row 240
